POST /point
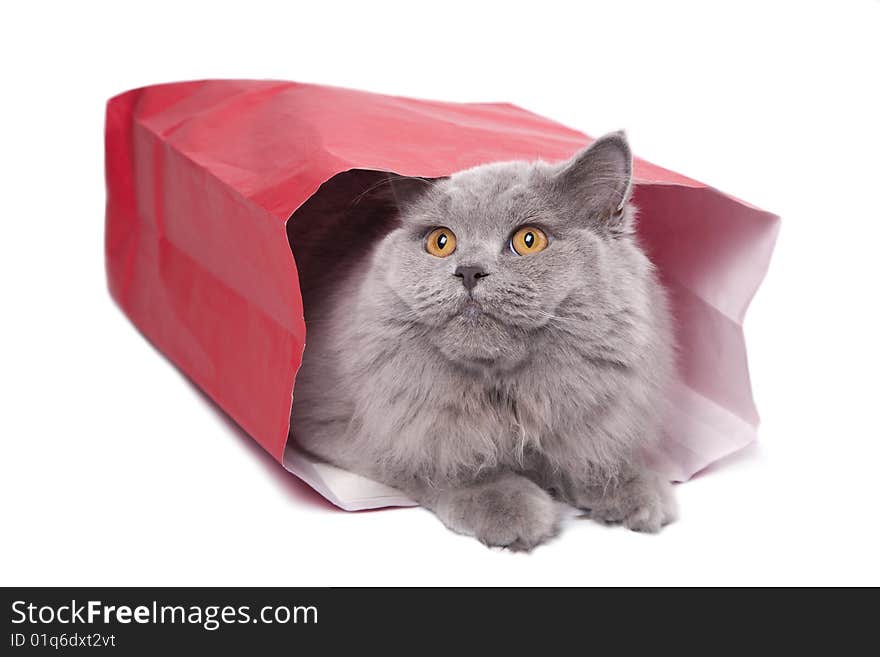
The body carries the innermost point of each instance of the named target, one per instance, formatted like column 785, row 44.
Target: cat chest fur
column 449, row 425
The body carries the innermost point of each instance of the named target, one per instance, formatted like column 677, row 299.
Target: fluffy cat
column 504, row 348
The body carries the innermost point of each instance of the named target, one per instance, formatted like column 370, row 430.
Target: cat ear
column 597, row 182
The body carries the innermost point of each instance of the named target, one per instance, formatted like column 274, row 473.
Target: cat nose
column 470, row 274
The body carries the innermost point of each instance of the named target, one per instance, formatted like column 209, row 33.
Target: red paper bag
column 204, row 179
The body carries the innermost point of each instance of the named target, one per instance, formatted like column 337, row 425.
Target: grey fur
column 553, row 386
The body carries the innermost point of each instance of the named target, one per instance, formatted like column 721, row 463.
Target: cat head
column 491, row 259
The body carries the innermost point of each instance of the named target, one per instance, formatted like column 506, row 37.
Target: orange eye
column 528, row 240
column 441, row 242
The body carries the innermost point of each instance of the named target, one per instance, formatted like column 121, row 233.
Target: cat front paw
column 511, row 512
column 643, row 504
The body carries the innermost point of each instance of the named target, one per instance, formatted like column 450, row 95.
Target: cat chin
column 477, row 342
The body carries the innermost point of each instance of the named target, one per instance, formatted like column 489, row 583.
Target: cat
column 505, row 349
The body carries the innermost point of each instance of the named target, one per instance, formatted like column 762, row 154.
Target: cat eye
column 528, row 240
column 441, row 242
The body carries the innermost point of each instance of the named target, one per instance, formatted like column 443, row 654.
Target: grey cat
column 504, row 349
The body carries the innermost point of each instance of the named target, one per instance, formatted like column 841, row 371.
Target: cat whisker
column 387, row 181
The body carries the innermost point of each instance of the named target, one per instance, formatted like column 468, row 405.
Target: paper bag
column 205, row 179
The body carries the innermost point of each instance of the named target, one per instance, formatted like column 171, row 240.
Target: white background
column 116, row 471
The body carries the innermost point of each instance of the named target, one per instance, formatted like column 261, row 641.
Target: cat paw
column 645, row 504
column 511, row 512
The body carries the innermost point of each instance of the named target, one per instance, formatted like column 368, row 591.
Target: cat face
column 486, row 260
